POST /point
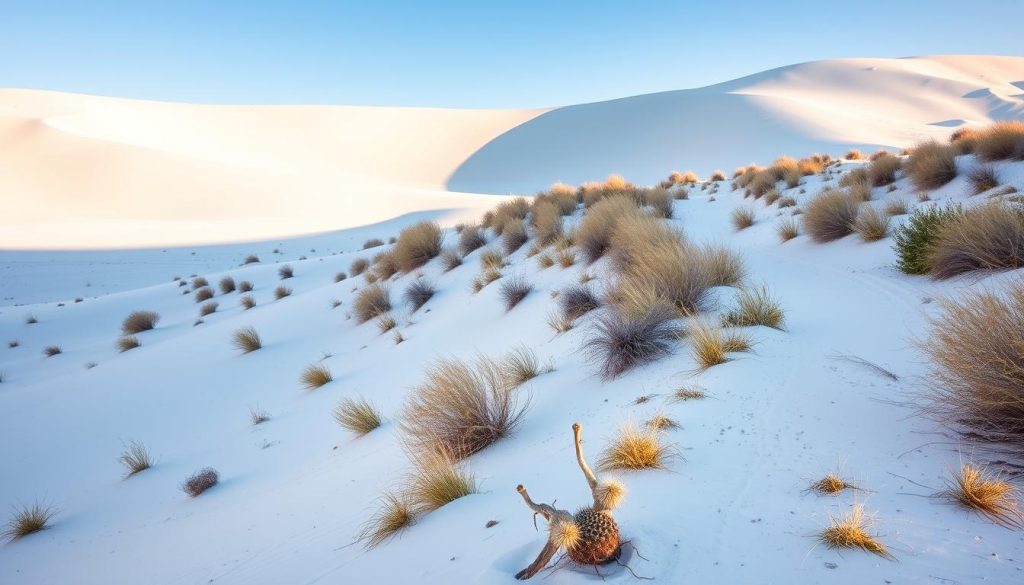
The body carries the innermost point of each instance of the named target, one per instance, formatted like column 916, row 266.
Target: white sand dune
column 93, row 172
column 819, row 106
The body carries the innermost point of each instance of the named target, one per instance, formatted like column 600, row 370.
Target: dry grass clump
column 246, row 339
column 450, row 260
column 595, row 231
column 357, row 415
column 982, row 178
column 635, row 448
column 717, row 175
column 566, row 258
column 358, row 266
column 677, row 178
column 244, row 286
column 830, row 485
column 771, row 197
column 393, row 515
column 372, row 243
column 208, row 308
column 755, row 306
column 622, row 342
column 742, row 217
column 438, row 479
column 662, row 423
column 471, row 238
column 762, row 182
column 204, row 294
column 830, row 216
column 547, row 221
column 854, row 154
column 896, row 207
column 461, row 408
column 988, row 494
column 139, row 321
column 711, row 346
column 721, row 265
column 199, row 282
column 28, row 519
column 418, row 293
column 258, row 416
column 227, row 285
column 385, row 265
column 315, row 376
column 513, row 236
column 787, row 229
column 520, row 366
column 988, row 237
column 931, row 165
column 851, row 532
column 486, row 277
column 248, row 302
column 416, row 245
column 577, row 301
column 372, row 301
column 883, row 170
column 684, row 394
column 559, row 322
column 975, row 345
column 514, row 290
column 564, row 197
column 659, row 200
column 506, row 211
column 786, row 202
column 340, row 276
column 492, row 259
column 870, row 224
column 127, row 342
column 251, row 259
column 282, row 292
column 545, row 261
column 200, row 481
column 135, row 458
column 386, row 323
column 1001, row 141
column 51, row 350
column 285, row 272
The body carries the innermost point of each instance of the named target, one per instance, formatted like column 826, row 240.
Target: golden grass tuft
column 315, row 376
column 520, row 366
column 830, row 215
column 372, row 301
column 830, row 485
column 896, row 207
column 200, row 481
column 742, row 218
column 282, row 292
column 28, row 519
column 248, row 302
column 246, row 340
column 547, row 221
column 564, row 533
column 135, row 458
column 755, row 306
column 978, row 365
column 1000, row 141
column 883, row 170
column 461, row 408
column 851, row 532
column 635, row 448
column 870, row 224
column 438, row 479
column 787, row 229
column 595, row 231
column 662, row 423
column 711, row 346
column 975, row 488
column 386, row 323
column 204, row 294
column 492, row 259
column 393, row 515
column 139, row 321
column 416, row 245
column 987, row 237
column 357, row 415
column 931, row 165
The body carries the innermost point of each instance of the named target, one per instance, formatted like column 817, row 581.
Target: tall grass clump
column 870, row 224
column 756, row 306
column 372, row 301
column 246, row 340
column 914, row 239
column 450, row 260
column 577, row 301
column 547, row 221
column 135, row 458
column 199, row 282
column 742, row 217
column 438, row 479
column 315, row 376
column 471, row 238
column 418, row 293
column 461, row 408
column 883, row 170
column 830, row 216
column 209, row 308
column 1001, row 141
column 285, row 272
column 711, row 346
column 416, row 245
column 227, row 285
column 931, row 165
column 139, row 321
column 514, row 290
column 393, row 514
column 621, row 342
column 513, row 236
column 660, row 201
column 357, row 415
column 358, row 266
column 982, row 178
column 976, row 348
column 635, row 448
column 28, row 519
column 595, row 231
column 244, row 286
column 282, row 292
column 248, row 302
column 520, row 366
column 987, row 237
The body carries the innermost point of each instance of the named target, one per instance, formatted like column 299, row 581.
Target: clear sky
column 462, row 54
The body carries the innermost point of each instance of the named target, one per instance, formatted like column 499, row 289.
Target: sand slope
column 819, row 106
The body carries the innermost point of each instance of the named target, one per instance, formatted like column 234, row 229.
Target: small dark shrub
column 204, row 294
column 514, row 290
column 227, row 285
column 200, row 481
column 285, row 272
column 418, row 293
column 621, row 343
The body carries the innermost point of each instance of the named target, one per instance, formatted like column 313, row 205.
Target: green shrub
column 914, row 238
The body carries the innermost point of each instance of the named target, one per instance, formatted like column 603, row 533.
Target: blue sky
column 462, row 54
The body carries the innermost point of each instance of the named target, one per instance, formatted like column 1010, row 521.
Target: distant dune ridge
column 81, row 171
